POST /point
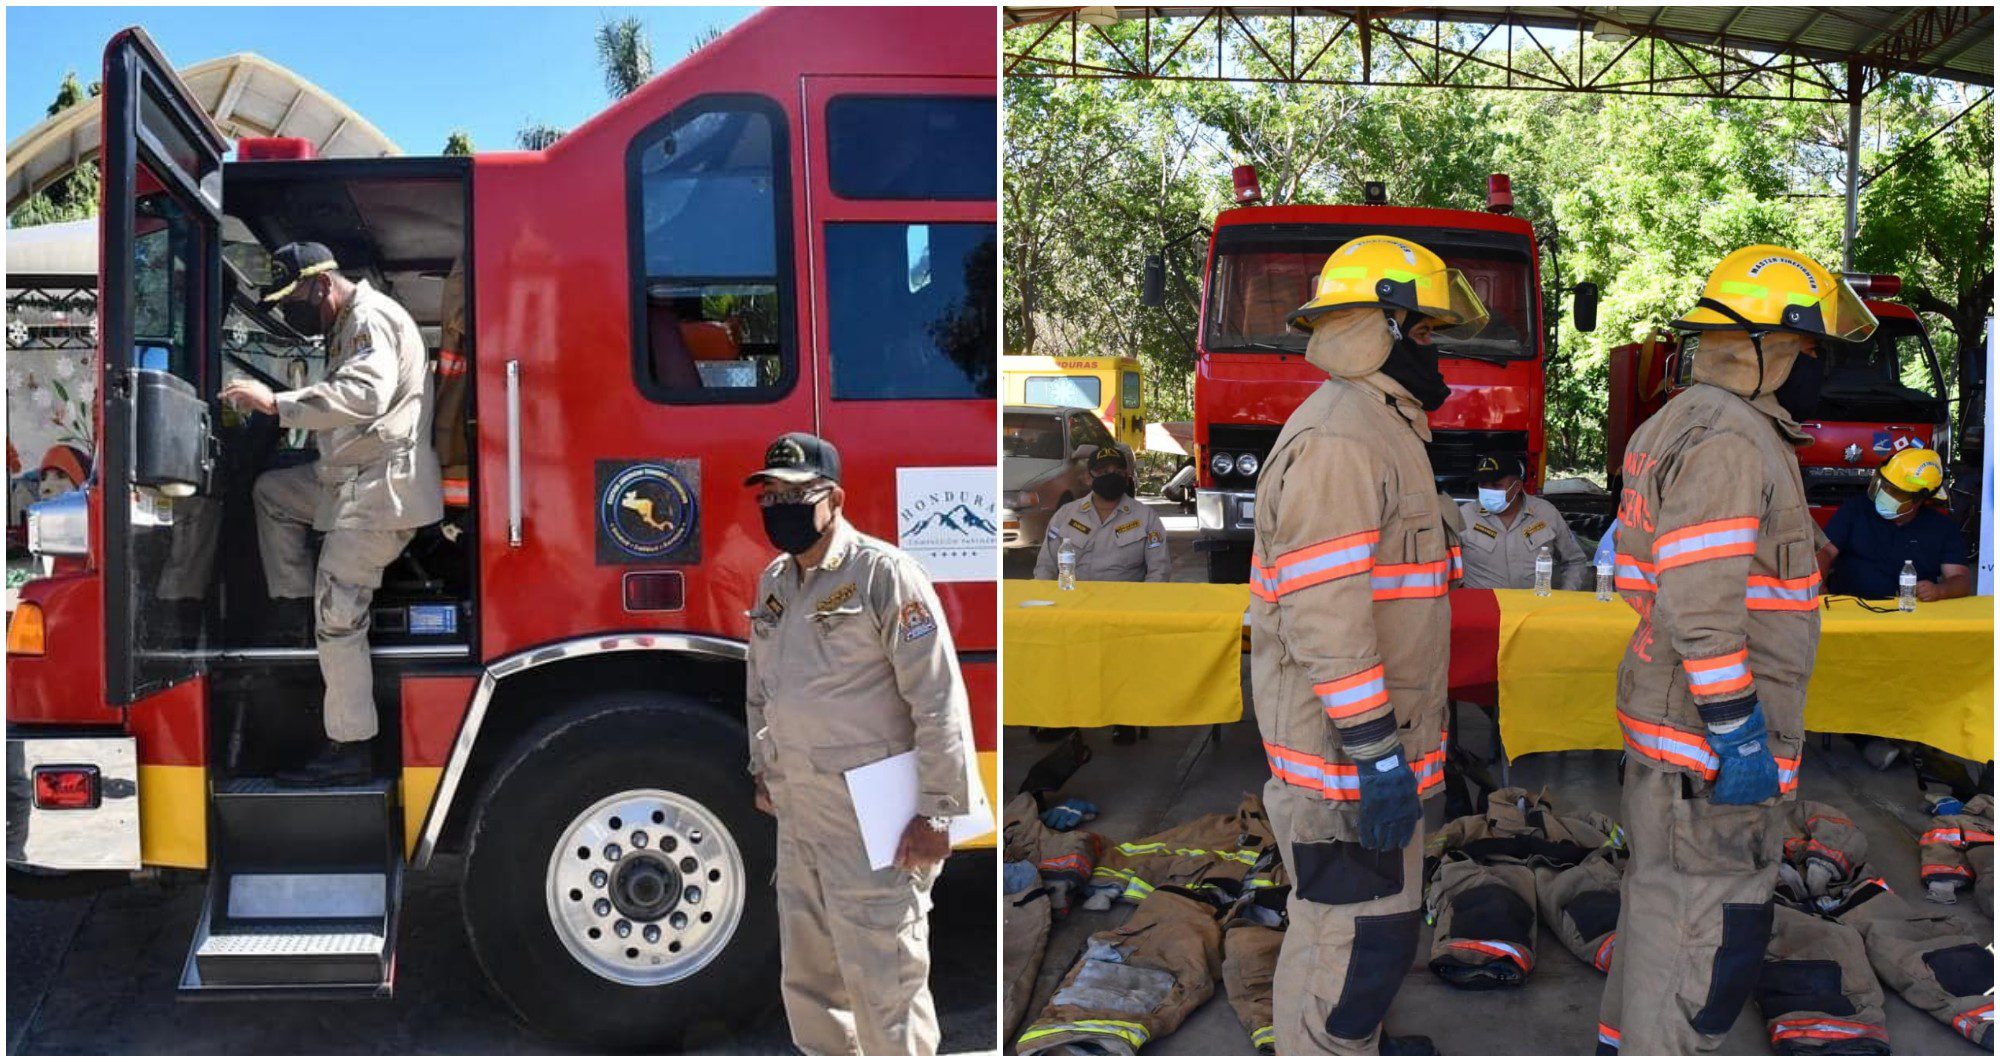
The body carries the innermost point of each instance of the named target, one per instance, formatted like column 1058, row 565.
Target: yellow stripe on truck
column 989, row 773
column 173, row 816
column 419, row 789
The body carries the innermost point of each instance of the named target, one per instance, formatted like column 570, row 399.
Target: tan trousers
column 342, row 584
column 1134, row 984
column 854, row 942
column 1356, row 926
column 1693, row 919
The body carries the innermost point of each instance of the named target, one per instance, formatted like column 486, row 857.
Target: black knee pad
column 1384, row 948
column 1746, row 929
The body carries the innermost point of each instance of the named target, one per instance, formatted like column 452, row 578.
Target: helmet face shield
column 1839, row 315
column 1462, row 315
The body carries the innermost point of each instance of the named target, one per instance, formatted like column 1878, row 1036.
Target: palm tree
column 705, row 38
column 626, row 54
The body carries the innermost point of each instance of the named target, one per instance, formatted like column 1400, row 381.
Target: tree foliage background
column 1638, row 194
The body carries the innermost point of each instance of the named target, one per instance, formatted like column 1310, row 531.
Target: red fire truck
column 1251, row 372
column 1883, row 394
column 794, row 228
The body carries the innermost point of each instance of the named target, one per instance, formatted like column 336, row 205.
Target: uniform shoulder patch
column 836, row 599
column 916, row 622
column 1126, row 526
column 1153, row 540
column 774, row 606
column 1484, row 530
column 1079, row 525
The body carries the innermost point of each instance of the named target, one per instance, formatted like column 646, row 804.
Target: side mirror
column 1154, row 292
column 1583, row 312
column 170, row 450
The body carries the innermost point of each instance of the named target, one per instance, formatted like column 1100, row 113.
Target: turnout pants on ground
column 1136, row 983
column 1817, row 991
column 1252, row 937
column 1693, row 919
column 854, row 942
column 342, row 583
column 1926, row 956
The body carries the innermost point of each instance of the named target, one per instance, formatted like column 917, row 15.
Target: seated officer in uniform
column 1506, row 527
column 1116, row 538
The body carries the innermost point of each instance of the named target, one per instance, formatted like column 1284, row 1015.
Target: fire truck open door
column 159, row 315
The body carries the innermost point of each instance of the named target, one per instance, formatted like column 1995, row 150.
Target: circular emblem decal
column 647, row 510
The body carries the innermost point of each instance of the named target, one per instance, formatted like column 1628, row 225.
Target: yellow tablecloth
column 1925, row 676
column 1142, row 654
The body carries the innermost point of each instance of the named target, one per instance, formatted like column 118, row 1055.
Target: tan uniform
column 1958, row 849
column 1350, row 633
column 1499, row 556
column 851, row 663
column 376, row 481
column 1129, row 547
column 1715, row 552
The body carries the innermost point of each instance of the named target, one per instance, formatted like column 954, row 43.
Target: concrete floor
column 1179, row 773
column 98, row 975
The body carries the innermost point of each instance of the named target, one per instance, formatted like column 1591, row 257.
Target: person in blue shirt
column 1873, row 534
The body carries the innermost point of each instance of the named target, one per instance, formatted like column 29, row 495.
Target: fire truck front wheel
column 616, row 886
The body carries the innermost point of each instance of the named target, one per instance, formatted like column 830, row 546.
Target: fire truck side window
column 710, row 210
column 912, row 310
column 160, row 253
column 912, row 147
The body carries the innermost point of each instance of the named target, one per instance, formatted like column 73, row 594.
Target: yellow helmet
column 1766, row 288
column 1914, row 471
column 1395, row 274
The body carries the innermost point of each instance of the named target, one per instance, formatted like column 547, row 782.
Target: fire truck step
column 265, row 828
column 279, row 955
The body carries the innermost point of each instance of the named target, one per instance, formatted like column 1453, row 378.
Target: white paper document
column 885, row 799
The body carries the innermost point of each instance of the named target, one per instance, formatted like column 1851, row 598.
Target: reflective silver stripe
column 1433, row 577
column 1780, row 593
column 1709, row 676
column 1698, row 753
column 1706, row 540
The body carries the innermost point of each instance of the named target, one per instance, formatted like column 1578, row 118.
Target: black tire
column 1229, row 564
column 607, row 744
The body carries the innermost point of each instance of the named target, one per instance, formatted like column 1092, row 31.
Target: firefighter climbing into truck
column 792, row 229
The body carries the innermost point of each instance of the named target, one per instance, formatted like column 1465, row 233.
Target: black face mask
column 302, row 316
column 1799, row 394
column 1111, row 486
column 1415, row 366
column 792, row 526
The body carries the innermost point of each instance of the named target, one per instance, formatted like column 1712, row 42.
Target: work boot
column 338, row 763
column 291, row 623
column 1408, row 1045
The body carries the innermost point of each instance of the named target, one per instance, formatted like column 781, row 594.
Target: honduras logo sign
column 946, row 518
column 649, row 511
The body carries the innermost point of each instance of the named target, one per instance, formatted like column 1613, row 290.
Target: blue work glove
column 1069, row 814
column 1748, row 773
column 1389, row 808
column 1018, row 876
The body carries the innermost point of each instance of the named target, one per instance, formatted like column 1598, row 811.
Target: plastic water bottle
column 1906, row 587
column 1545, row 569
column 1066, row 566
column 1603, row 581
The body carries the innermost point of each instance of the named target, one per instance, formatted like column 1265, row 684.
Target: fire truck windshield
column 1261, row 273
column 1891, row 375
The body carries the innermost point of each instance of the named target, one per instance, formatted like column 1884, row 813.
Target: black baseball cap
column 798, row 457
column 1493, row 468
column 294, row 262
column 1107, row 456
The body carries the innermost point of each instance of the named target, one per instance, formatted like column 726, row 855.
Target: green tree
column 625, row 52
column 72, row 197
column 537, row 136
column 458, row 143
column 705, row 38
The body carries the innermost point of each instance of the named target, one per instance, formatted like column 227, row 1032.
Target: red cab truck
column 1251, row 372
column 792, row 229
column 1883, row 394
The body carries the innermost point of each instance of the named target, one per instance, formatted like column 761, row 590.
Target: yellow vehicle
column 1110, row 385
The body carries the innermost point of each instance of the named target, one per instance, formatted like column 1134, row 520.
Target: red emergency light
column 66, row 788
column 1499, row 194
column 1879, row 285
column 1247, row 189
column 274, row 149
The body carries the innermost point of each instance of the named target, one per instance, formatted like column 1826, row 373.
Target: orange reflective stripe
column 457, row 492
column 1716, row 675
column 1396, row 582
column 1709, row 540
column 1668, row 744
column 1353, row 694
column 451, row 363
column 1770, row 594
column 1311, row 565
column 1341, row 781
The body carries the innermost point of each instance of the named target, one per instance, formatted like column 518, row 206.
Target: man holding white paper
column 850, row 664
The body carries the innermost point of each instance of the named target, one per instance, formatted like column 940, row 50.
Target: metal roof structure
column 246, row 94
column 1752, row 51
column 1828, row 53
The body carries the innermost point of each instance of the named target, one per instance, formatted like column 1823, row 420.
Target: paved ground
column 1178, row 774
column 97, row 976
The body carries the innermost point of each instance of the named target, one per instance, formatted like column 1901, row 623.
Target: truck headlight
column 1222, row 464
column 1247, row 464
column 60, row 526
